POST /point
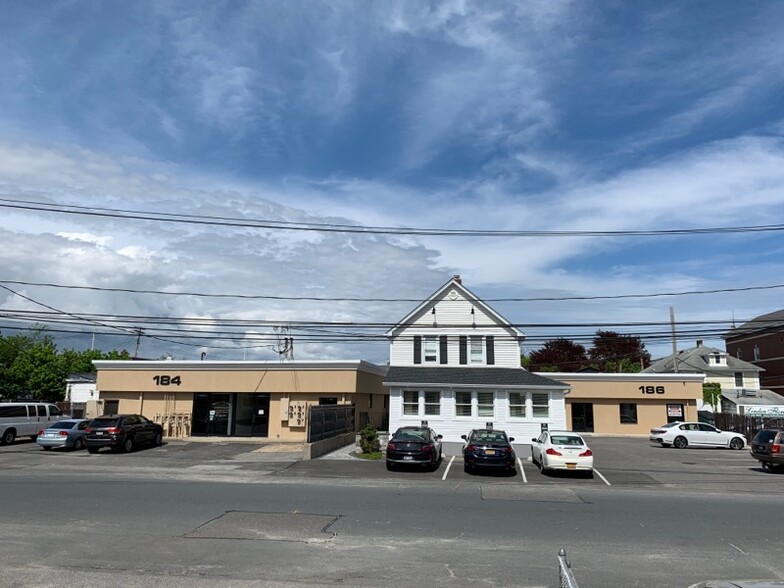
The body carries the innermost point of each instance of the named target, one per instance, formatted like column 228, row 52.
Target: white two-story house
column 455, row 363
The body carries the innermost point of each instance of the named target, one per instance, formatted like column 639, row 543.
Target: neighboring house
column 80, row 391
column 761, row 342
column 739, row 380
column 455, row 363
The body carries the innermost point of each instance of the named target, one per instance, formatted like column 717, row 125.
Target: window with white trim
column 517, row 405
column 432, row 403
column 430, row 349
column 540, row 405
column 739, row 379
column 421, row 403
column 411, row 402
column 462, row 403
column 484, row 404
column 476, row 350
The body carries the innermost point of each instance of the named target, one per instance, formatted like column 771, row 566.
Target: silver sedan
column 67, row 433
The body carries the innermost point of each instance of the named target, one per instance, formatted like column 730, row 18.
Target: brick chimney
column 699, row 342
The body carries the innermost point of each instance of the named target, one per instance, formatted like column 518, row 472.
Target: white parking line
column 522, row 470
column 446, row 471
column 595, row 471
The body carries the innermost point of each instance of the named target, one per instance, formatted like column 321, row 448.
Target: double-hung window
column 421, row 403
column 462, row 403
column 476, row 349
column 540, row 405
column 484, row 404
column 517, row 405
column 430, row 349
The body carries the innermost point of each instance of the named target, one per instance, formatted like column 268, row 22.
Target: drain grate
column 267, row 526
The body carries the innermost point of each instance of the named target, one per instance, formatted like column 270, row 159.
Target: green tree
column 613, row 352
column 558, row 355
column 711, row 394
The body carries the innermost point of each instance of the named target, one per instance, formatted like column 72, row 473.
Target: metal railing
column 565, row 576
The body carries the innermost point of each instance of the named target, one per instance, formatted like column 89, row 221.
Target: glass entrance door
column 212, row 414
column 252, row 415
column 582, row 417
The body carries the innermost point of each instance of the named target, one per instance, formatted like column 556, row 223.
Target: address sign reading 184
column 167, row 380
column 651, row 389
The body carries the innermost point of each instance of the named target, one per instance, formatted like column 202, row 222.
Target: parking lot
column 620, row 462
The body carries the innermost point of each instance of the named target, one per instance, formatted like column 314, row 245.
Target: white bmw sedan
column 561, row 450
column 682, row 435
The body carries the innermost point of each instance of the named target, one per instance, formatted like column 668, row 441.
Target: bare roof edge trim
column 492, row 386
column 635, row 377
column 197, row 365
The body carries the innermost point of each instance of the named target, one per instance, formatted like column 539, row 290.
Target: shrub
column 368, row 440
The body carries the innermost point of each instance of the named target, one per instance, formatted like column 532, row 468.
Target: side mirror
column 511, row 439
column 440, row 436
column 534, row 440
column 463, row 437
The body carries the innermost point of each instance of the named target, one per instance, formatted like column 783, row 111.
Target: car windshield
column 489, row 437
column 566, row 440
column 409, row 435
column 62, row 425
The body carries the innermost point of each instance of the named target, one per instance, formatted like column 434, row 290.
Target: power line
column 357, row 299
column 370, row 230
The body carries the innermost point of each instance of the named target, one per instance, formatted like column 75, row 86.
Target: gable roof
column 695, row 360
column 772, row 320
column 491, row 377
column 455, row 283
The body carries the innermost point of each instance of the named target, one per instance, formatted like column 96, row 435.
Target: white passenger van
column 25, row 419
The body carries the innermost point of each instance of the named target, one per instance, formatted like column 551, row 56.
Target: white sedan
column 681, row 435
column 561, row 450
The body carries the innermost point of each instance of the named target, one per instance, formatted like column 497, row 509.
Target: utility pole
column 674, row 342
column 139, row 333
column 285, row 344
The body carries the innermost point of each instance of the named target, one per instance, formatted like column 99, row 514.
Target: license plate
column 571, row 466
column 489, row 452
column 99, row 432
column 408, row 457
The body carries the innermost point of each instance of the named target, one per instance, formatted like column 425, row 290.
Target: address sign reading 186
column 167, row 380
column 651, row 389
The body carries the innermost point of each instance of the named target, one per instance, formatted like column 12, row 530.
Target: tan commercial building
column 629, row 404
column 241, row 398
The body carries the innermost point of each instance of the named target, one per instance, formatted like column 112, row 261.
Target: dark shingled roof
column 467, row 376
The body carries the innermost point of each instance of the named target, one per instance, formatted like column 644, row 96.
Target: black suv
column 768, row 447
column 122, row 432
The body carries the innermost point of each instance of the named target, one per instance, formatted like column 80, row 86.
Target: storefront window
column 628, row 413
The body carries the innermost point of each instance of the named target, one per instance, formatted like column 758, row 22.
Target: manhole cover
column 266, row 526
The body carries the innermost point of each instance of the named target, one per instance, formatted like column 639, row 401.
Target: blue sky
column 541, row 115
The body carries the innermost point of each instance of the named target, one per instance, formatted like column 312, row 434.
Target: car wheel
column 8, row 437
column 92, row 449
column 127, row 445
column 158, row 440
column 78, row 444
column 46, row 448
column 390, row 466
column 736, row 443
column 680, row 442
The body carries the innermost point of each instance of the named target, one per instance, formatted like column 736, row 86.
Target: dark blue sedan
column 68, row 433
